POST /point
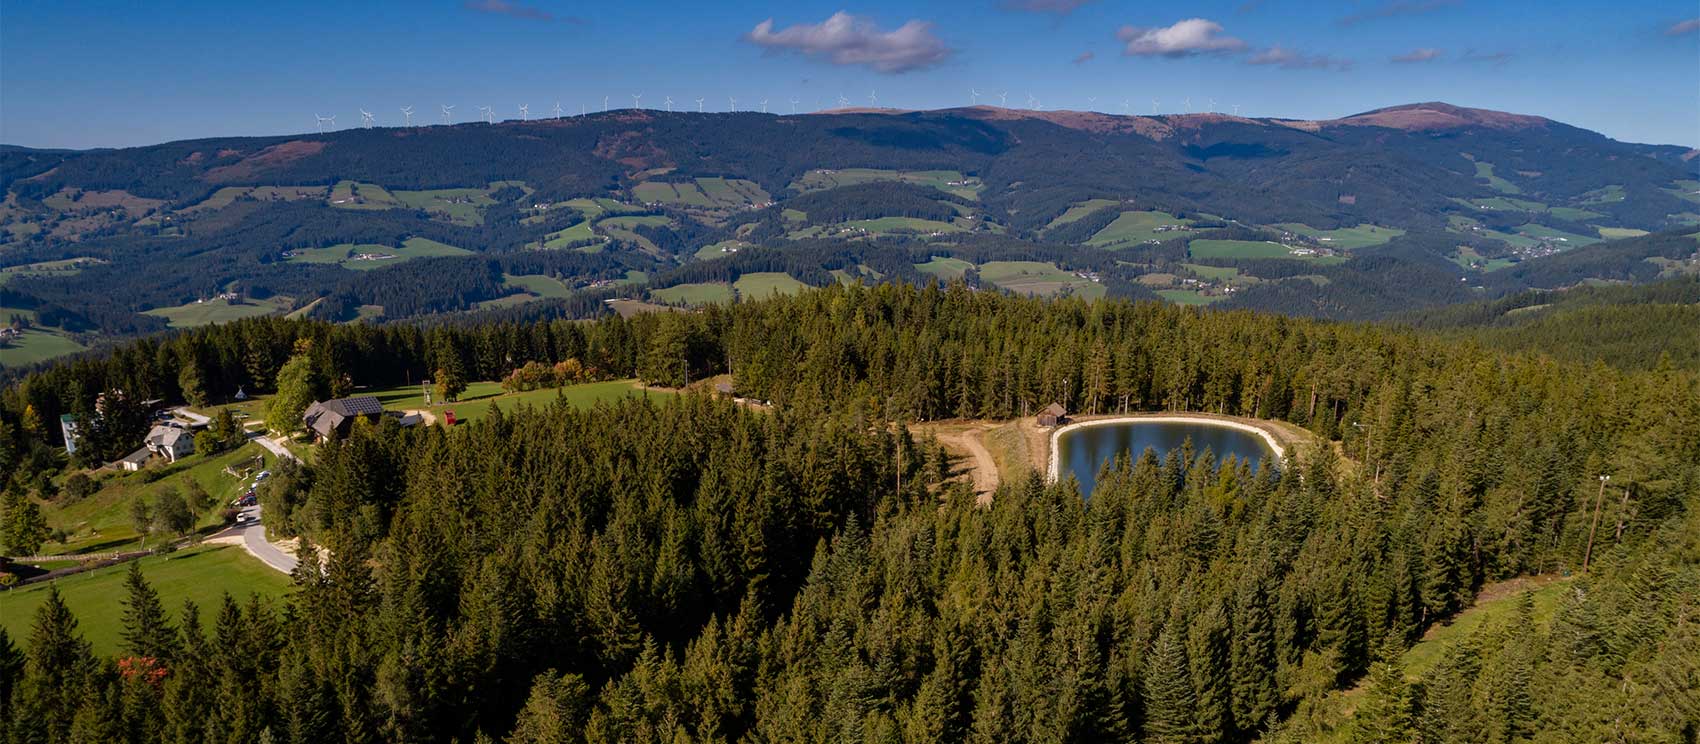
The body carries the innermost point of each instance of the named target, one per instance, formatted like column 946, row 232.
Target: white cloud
column 1184, row 39
column 1281, row 56
column 1683, row 28
column 845, row 39
column 1423, row 54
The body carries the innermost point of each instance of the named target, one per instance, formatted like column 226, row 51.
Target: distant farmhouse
column 170, row 442
column 333, row 418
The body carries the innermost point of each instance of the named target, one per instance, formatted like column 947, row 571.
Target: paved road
column 253, row 536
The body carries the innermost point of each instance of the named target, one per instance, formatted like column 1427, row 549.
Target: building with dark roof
column 334, row 417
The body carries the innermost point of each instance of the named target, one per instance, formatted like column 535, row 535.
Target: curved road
column 253, row 535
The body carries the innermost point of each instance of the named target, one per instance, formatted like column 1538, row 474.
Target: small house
column 135, row 460
column 1052, row 415
column 170, row 442
column 334, row 417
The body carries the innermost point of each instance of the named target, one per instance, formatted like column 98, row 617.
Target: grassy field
column 944, row 268
column 194, row 314
column 1189, row 297
column 1133, row 228
column 480, row 396
column 1506, row 204
column 703, row 193
column 1573, row 214
column 1218, row 273
column 460, row 206
column 694, row 294
column 1543, row 232
column 719, row 250
column 1484, row 172
column 1608, row 195
column 562, row 238
column 62, row 267
column 817, row 180
column 354, row 195
column 346, row 254
column 1468, row 259
column 1619, row 233
column 36, row 345
column 101, row 521
column 1493, row 611
column 767, row 283
column 883, row 225
column 1251, row 249
column 622, row 228
column 1037, row 278
column 1081, row 210
column 203, row 575
column 1346, row 238
column 538, row 284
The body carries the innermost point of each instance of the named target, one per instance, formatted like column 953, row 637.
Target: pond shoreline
column 1054, row 466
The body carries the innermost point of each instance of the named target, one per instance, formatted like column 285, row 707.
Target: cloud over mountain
column 845, row 39
column 1186, row 38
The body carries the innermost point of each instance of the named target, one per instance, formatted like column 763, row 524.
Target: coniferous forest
column 700, row 571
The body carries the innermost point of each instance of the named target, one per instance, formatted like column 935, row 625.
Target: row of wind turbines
column 487, row 114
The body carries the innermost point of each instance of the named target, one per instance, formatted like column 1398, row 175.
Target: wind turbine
column 669, row 104
column 1236, row 109
column 447, row 115
column 764, row 105
column 1153, row 107
column 1090, row 102
column 604, row 104
column 320, row 120
column 407, row 113
column 557, row 109
column 1186, row 104
column 734, row 102
column 635, row 98
column 699, row 105
column 873, row 99
column 525, row 112
column 365, row 119
column 1212, row 106
column 1127, row 106
column 842, row 101
column 489, row 114
column 793, row 106
column 973, row 97
column 1031, row 100
column 1003, row 99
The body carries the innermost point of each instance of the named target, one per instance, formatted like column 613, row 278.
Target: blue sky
column 112, row 74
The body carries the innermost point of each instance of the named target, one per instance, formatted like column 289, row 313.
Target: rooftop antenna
column 557, row 109
column 407, row 113
column 365, row 119
column 669, row 103
column 447, row 114
column 973, row 97
column 764, row 105
column 699, row 105
column 793, row 106
column 525, row 112
column 635, row 98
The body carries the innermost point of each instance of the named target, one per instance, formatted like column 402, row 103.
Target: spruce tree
column 147, row 631
column 1384, row 711
column 1171, row 710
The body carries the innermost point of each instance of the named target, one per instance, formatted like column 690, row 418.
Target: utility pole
column 1588, row 554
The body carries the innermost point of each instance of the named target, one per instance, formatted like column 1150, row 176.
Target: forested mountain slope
column 703, row 571
column 1352, row 218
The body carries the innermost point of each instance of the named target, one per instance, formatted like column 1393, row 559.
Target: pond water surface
column 1082, row 451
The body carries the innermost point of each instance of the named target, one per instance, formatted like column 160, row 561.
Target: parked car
column 264, row 474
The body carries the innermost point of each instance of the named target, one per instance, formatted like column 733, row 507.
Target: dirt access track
column 990, row 452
